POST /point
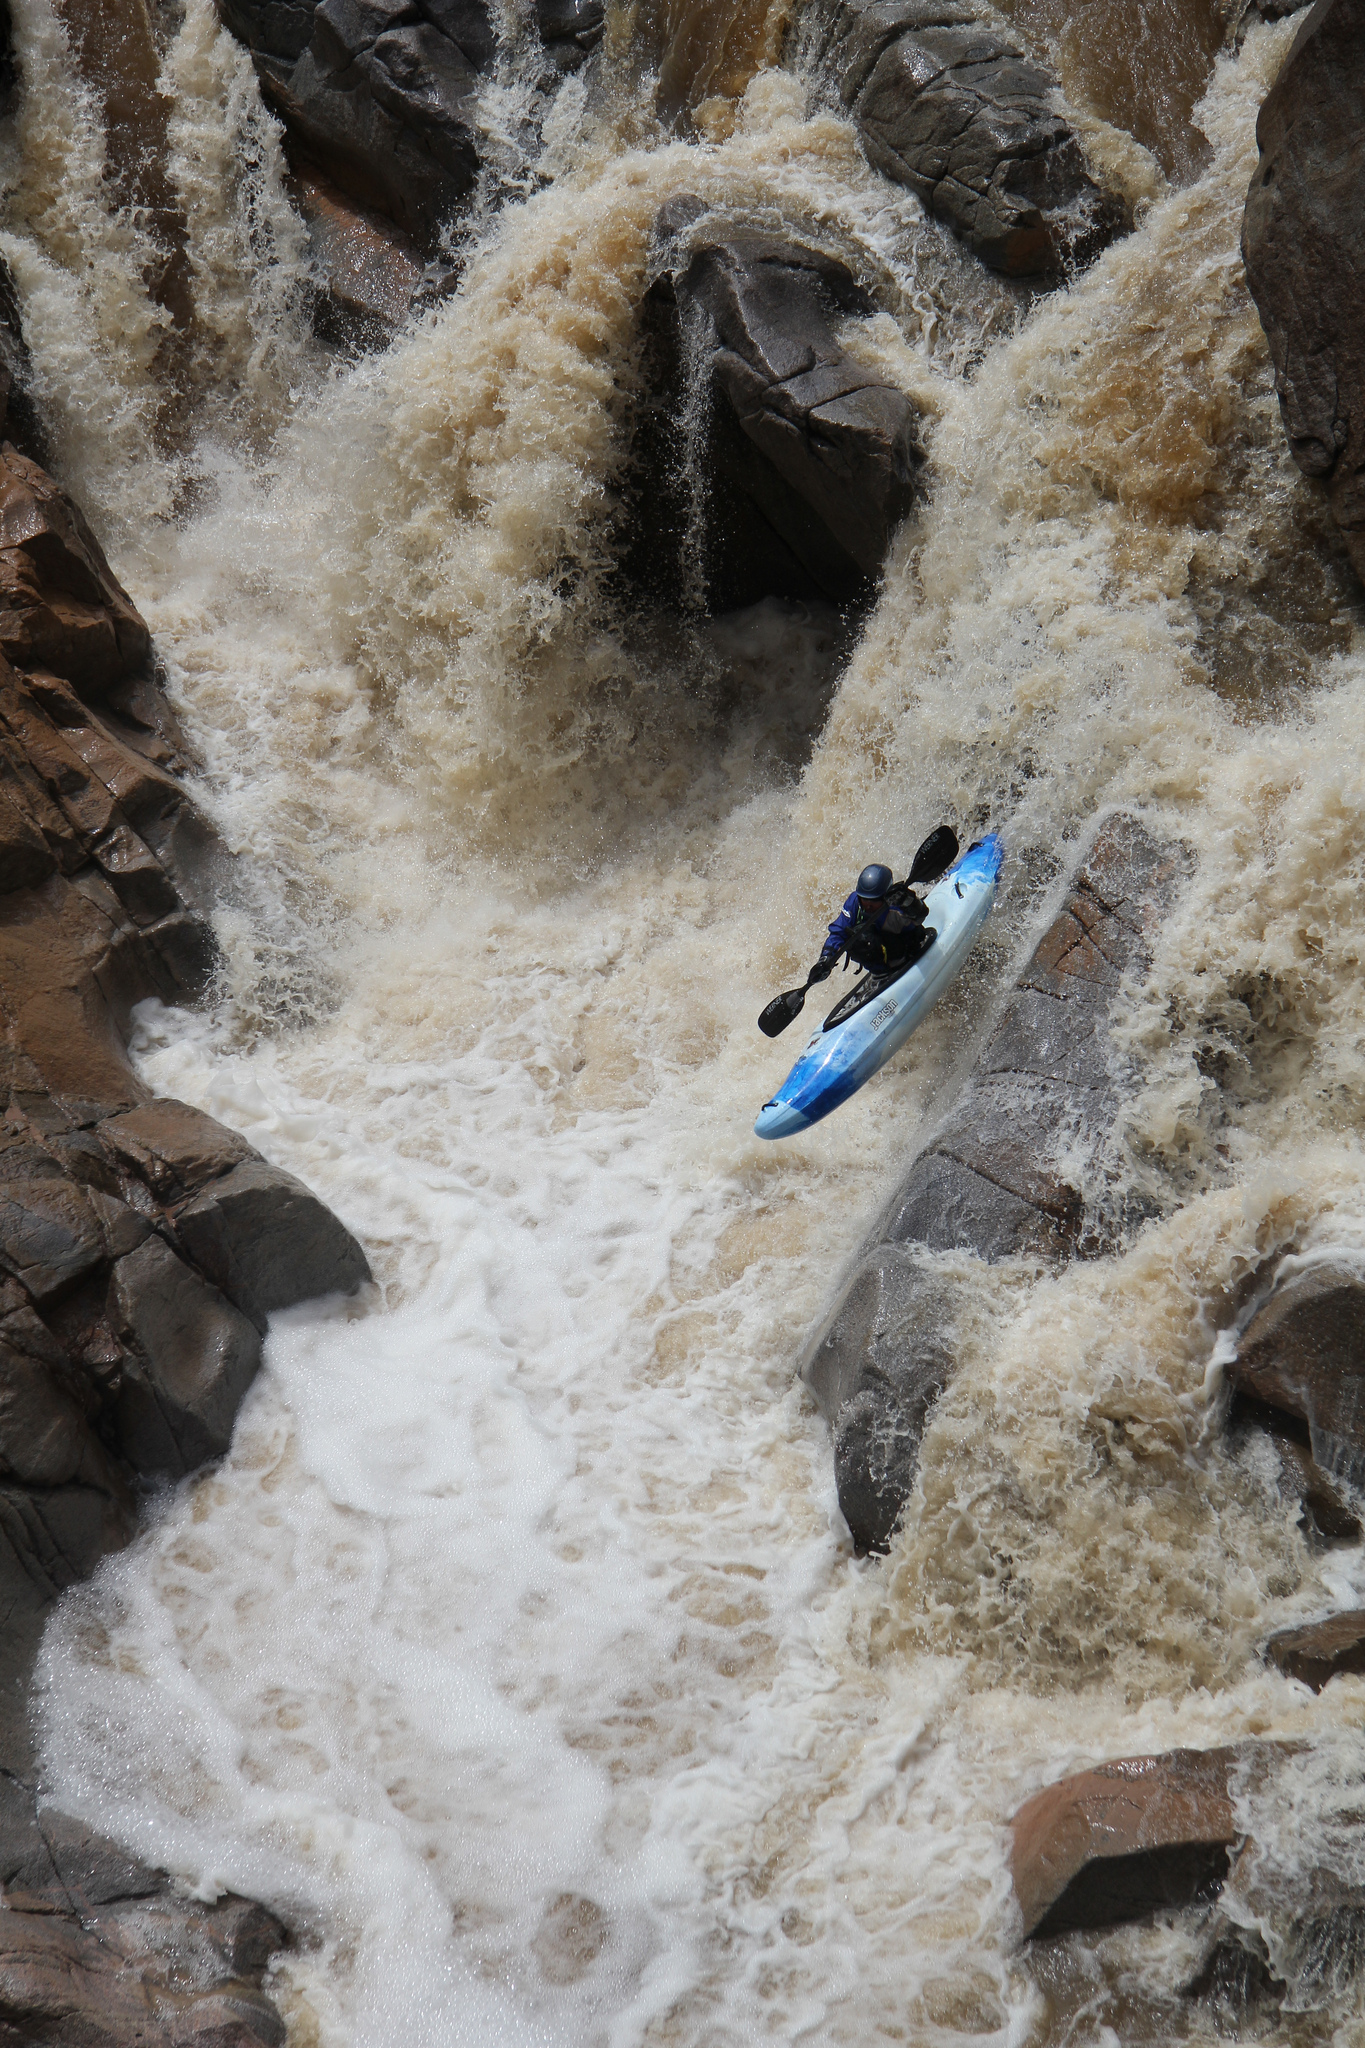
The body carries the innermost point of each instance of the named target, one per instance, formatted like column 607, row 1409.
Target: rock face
column 1303, row 1356
column 774, row 463
column 1321, row 1649
column 1303, row 243
column 949, row 104
column 142, row 1247
column 98, row 1951
column 1121, row 1840
column 382, row 95
column 1045, row 1088
column 371, row 266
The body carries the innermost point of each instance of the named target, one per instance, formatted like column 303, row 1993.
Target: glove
column 823, row 967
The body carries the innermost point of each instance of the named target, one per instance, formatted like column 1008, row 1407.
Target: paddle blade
column 936, row 856
column 780, row 1012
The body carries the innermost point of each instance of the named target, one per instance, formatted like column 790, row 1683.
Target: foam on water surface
column 516, row 1652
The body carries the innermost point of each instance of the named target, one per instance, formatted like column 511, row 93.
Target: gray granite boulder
column 769, row 462
column 947, row 102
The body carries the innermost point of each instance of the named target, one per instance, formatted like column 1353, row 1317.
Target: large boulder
column 1020, row 1167
column 1302, row 1355
column 1123, row 1839
column 947, row 102
column 1303, row 243
column 382, row 96
column 770, row 462
column 1320, row 1650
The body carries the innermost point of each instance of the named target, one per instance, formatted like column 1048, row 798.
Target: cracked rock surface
column 999, row 1178
column 802, row 461
column 951, row 105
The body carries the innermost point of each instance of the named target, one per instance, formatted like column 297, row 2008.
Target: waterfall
column 516, row 1653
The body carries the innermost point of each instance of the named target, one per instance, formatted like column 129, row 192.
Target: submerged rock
column 1123, row 1839
column 770, row 462
column 1303, row 1355
column 1320, row 1650
column 1303, row 243
column 97, row 1949
column 949, row 104
column 1044, row 1089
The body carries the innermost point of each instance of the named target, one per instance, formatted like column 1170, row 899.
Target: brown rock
column 1303, row 243
column 1304, row 1354
column 61, row 606
column 1321, row 1649
column 371, row 268
column 987, row 1182
column 192, row 1358
column 1123, row 1839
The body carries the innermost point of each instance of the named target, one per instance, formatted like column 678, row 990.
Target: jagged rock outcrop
column 949, row 104
column 1320, row 1650
column 1302, row 1356
column 768, row 461
column 142, row 1247
column 1303, row 243
column 381, row 96
column 99, row 1951
column 1019, row 1167
column 1123, row 1839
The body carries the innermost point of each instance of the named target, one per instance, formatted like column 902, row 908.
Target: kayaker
column 881, row 926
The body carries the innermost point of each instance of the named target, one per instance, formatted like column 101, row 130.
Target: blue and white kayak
column 875, row 1018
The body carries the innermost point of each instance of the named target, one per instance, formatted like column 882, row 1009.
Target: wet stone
column 1320, row 1650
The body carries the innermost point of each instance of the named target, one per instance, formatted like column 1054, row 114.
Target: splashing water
column 515, row 1652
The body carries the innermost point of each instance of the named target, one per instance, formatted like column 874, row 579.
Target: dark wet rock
column 1325, row 1516
column 21, row 421
column 1044, row 1090
column 570, row 30
column 141, row 1245
column 876, row 1367
column 1320, row 1649
column 949, row 104
column 380, row 95
column 768, row 461
column 61, row 606
column 1235, row 1976
column 1303, row 1355
column 1303, row 243
column 1047, row 1082
column 1124, row 1839
column 371, row 269
column 99, row 1951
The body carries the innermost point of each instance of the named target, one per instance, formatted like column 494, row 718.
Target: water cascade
column 516, row 1654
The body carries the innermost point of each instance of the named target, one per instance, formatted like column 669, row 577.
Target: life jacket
column 893, row 936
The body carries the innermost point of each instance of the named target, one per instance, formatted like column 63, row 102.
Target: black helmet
column 874, row 882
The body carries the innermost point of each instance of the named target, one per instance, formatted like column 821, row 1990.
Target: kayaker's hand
column 823, row 967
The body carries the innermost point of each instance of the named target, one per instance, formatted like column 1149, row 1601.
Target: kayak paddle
column 781, row 1011
column 934, row 858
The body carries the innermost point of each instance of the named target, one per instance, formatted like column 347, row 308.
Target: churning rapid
column 516, row 1652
